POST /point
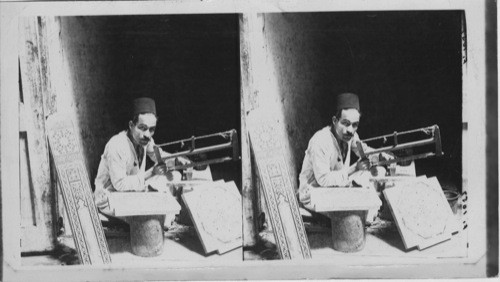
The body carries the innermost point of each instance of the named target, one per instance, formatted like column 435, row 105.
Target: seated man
column 123, row 163
column 327, row 158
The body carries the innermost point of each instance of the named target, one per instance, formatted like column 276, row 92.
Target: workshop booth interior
column 405, row 66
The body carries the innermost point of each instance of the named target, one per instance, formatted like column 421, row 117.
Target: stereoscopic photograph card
column 248, row 140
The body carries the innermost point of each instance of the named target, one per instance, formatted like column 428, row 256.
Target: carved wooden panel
column 77, row 194
column 421, row 211
column 267, row 146
column 215, row 209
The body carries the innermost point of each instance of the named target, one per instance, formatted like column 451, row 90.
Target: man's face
column 144, row 129
column 347, row 124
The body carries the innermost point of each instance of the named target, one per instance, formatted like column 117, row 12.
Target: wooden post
column 36, row 90
column 249, row 193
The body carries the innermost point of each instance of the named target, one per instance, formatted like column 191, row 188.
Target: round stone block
column 146, row 235
column 348, row 230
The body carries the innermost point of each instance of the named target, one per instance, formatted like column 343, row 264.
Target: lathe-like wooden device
column 229, row 144
column 431, row 136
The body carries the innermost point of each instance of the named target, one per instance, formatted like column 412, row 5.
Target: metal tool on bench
column 230, row 138
column 432, row 131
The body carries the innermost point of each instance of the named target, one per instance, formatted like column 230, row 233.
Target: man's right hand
column 363, row 164
column 163, row 169
column 160, row 169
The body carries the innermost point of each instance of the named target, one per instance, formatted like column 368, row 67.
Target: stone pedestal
column 146, row 234
column 348, row 230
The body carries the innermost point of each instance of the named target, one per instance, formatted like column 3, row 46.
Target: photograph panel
column 119, row 80
column 402, row 73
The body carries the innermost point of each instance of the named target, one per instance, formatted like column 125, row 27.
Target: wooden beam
column 34, row 76
column 249, row 191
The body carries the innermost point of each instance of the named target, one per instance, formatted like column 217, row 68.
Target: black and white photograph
column 248, row 140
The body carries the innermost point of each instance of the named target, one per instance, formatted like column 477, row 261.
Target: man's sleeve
column 320, row 159
column 118, row 172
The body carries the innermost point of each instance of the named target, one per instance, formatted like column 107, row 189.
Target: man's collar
column 339, row 140
column 129, row 135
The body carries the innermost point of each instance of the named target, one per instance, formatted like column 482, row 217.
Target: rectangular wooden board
column 215, row 209
column 344, row 199
column 85, row 225
column 142, row 203
column 266, row 140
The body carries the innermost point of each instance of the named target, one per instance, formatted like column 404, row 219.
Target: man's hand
column 160, row 169
column 363, row 164
column 182, row 161
column 163, row 169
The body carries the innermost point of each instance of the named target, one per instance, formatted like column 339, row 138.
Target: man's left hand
column 182, row 161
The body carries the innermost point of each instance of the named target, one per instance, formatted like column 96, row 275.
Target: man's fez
column 347, row 101
column 143, row 105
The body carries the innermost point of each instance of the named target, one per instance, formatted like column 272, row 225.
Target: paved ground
column 181, row 244
column 382, row 240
